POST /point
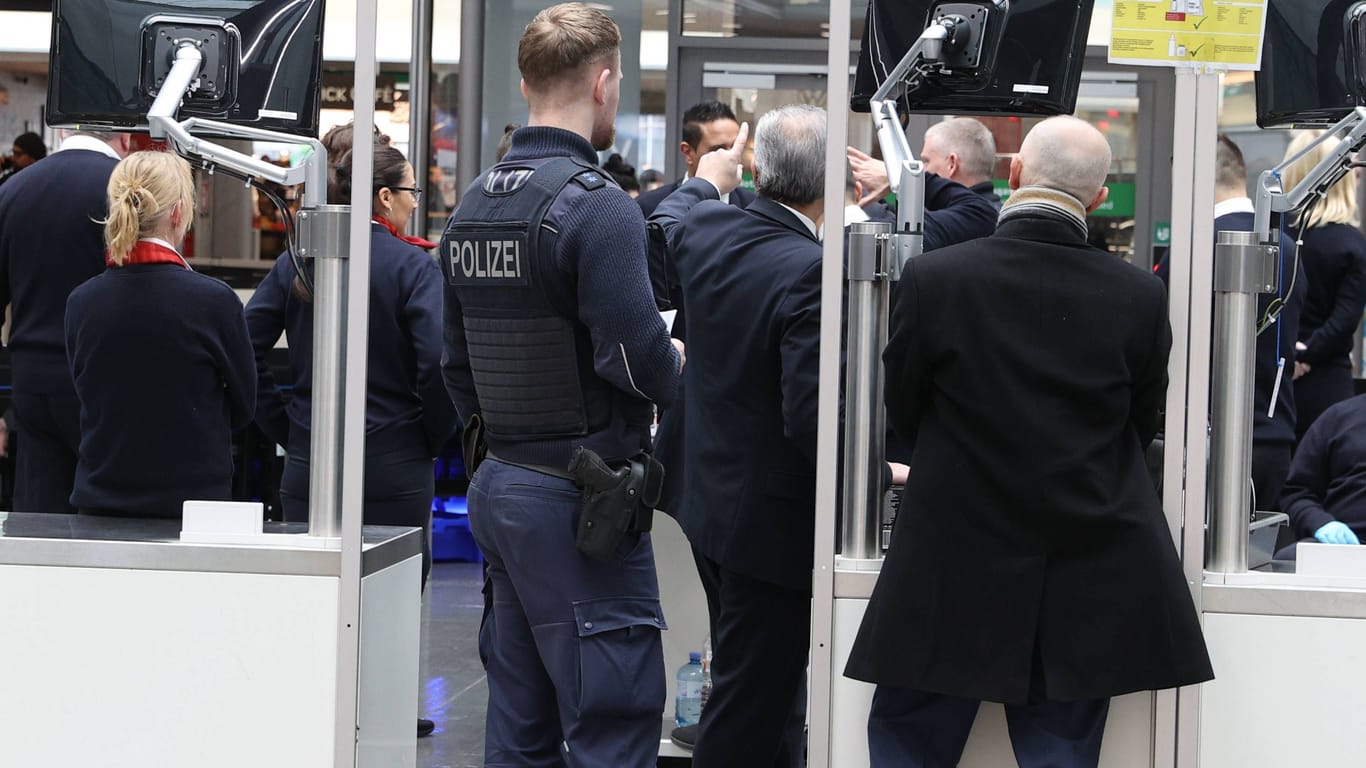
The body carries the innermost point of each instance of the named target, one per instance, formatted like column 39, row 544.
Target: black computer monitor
column 262, row 61
column 1311, row 73
column 1036, row 71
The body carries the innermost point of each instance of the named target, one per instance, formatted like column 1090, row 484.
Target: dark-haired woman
column 408, row 415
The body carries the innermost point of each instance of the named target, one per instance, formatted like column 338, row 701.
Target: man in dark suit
column 707, row 127
column 752, row 281
column 960, row 150
column 1031, row 563
column 50, row 242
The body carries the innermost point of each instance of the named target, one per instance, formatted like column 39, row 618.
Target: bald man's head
column 1065, row 154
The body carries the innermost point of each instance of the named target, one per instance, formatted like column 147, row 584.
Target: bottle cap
column 694, row 657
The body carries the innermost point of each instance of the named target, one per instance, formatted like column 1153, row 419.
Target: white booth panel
column 391, row 612
column 142, row 668
column 1288, row 690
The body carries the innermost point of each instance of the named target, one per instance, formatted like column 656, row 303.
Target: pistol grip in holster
column 616, row 502
column 473, row 447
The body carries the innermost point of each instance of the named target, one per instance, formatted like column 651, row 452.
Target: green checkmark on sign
column 1197, row 50
column 1201, row 21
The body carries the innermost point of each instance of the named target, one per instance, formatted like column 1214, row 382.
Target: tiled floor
column 453, row 688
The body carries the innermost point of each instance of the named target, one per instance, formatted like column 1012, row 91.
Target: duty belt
column 544, row 469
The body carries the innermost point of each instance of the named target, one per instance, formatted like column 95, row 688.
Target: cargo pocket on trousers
column 621, row 662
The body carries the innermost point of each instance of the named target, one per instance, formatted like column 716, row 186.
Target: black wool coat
column 1027, row 371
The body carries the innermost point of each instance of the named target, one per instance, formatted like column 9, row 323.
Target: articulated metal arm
column 161, row 119
column 1350, row 135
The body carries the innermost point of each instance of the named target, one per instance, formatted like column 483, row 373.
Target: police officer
column 554, row 348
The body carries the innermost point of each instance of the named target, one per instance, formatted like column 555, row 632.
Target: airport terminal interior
column 233, row 671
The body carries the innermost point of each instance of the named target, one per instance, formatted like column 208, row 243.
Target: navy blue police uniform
column 50, row 242
column 408, row 414
column 554, row 342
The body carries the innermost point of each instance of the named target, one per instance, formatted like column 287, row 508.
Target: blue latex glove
column 1336, row 533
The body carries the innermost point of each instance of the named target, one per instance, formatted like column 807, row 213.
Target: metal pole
column 324, row 488
column 420, row 108
column 344, row 479
column 1185, row 461
column 864, row 418
column 823, row 669
column 468, row 160
column 1242, row 268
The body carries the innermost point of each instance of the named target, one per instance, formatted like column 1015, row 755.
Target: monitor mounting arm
column 1247, row 264
column 876, row 257
column 183, row 79
column 322, row 237
column 905, row 174
column 1350, row 135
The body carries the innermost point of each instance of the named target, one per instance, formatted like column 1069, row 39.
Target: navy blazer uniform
column 161, row 361
column 408, row 413
column 745, row 462
column 50, row 242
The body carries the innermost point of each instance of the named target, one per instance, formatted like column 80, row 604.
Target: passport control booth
column 1282, row 635
column 217, row 641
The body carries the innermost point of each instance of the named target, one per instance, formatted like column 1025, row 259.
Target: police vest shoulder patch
column 505, row 181
column 486, row 257
column 590, row 180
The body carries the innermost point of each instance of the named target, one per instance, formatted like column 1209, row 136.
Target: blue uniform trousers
column 49, row 429
column 571, row 646
column 916, row 729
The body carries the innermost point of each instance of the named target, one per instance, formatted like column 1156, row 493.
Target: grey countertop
column 82, row 541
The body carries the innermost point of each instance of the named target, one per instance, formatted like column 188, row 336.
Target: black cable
column 291, row 240
column 1276, row 305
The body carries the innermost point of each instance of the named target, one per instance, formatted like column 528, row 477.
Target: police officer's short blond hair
column 562, row 40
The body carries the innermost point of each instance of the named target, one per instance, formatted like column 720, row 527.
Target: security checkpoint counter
column 124, row 646
column 1128, row 741
column 1286, row 649
column 1286, row 641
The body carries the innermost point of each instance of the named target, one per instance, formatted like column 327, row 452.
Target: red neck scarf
column 420, row 242
column 148, row 252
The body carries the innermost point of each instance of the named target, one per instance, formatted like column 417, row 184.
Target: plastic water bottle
column 706, row 670
column 688, row 704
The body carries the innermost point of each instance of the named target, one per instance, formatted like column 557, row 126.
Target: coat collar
column 1040, row 228
column 762, row 206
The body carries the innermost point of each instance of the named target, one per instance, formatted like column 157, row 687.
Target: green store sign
column 1118, row 204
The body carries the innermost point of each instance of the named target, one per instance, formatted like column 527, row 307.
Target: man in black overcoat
column 1031, row 563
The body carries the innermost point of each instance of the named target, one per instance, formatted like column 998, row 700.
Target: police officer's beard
column 604, row 136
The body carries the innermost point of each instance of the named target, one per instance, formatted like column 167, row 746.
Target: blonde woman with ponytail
column 159, row 355
column 1333, row 257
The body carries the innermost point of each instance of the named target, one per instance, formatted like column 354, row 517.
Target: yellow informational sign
column 1219, row 34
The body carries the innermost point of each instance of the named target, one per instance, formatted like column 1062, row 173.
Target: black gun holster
column 617, row 502
column 473, row 447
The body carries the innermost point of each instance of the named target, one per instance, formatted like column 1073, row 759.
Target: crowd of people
column 1026, row 373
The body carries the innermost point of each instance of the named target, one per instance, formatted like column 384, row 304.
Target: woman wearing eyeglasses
column 408, row 415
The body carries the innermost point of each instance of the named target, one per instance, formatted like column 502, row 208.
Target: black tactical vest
column 532, row 361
